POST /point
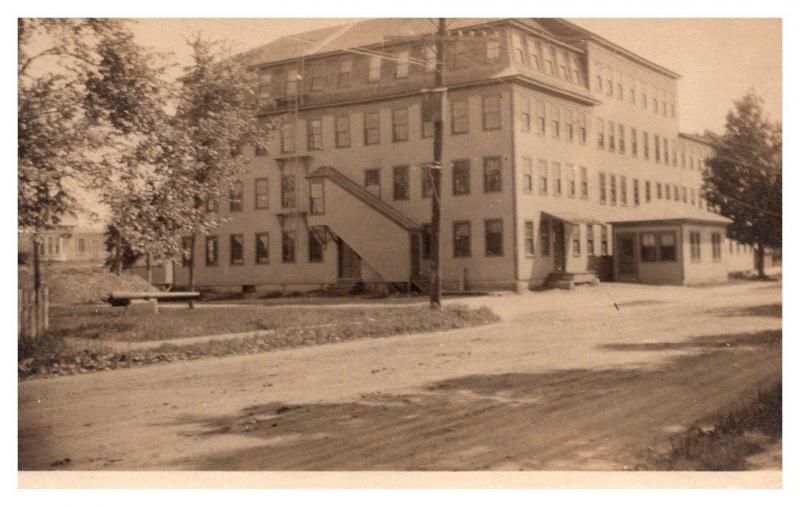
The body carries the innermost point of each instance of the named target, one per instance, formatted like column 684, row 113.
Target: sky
column 718, row 59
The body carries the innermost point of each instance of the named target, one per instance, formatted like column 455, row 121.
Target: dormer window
column 401, row 71
column 345, row 71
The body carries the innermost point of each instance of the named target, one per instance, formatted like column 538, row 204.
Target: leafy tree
column 744, row 178
column 121, row 255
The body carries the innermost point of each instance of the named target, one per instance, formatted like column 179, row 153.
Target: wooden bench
column 125, row 298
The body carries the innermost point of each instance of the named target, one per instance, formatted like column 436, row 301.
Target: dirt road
column 567, row 381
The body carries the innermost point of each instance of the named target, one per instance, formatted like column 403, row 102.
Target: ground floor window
column 494, row 237
column 716, row 246
column 237, row 249
column 590, row 240
column 212, row 248
column 529, row 239
column 288, row 246
column 667, row 250
column 603, row 240
column 694, row 246
column 187, row 245
column 544, row 237
column 461, row 239
column 262, row 248
column 657, row 246
column 315, row 246
column 576, row 240
column 316, row 198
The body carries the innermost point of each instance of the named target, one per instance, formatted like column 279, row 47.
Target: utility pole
column 435, row 169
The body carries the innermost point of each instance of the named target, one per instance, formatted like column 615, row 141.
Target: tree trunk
column 118, row 256
column 760, row 261
column 191, row 271
column 37, row 268
column 149, row 270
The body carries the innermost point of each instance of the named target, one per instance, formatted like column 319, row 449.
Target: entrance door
column 349, row 262
column 626, row 255
column 559, row 249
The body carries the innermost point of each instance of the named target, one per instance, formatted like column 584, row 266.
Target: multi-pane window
column 577, row 74
column 212, row 250
column 459, row 116
column 461, row 177
column 343, row 131
column 374, row 69
column 288, row 246
column 612, row 183
column 527, row 175
column 656, row 141
column 636, row 192
column 462, row 243
column 658, row 191
column 372, row 128
column 315, row 245
column 590, row 239
column 604, row 240
column 493, row 237
column 516, row 48
column 292, row 80
column 262, row 248
column 530, row 244
column 541, row 119
column 648, row 247
column 634, row 142
column 668, row 192
column 676, row 193
column 492, row 175
column 525, row 114
column 400, row 180
column 551, row 60
column 584, row 183
column 534, row 50
column 563, row 63
column 611, row 136
column 264, row 84
column 716, row 246
column 621, row 139
column 262, row 193
column 187, row 245
column 288, row 191
column 492, row 50
column 542, row 165
column 623, row 190
column 430, row 59
column 582, row 128
column 684, row 194
column 315, row 135
column 694, row 245
column 401, row 70
column 491, row 112
column 372, row 181
column 317, row 78
column 576, row 240
column 399, row 125
column 544, row 237
column 601, row 134
column 569, row 124
column 667, row 249
column 236, row 197
column 602, row 185
column 287, row 138
column 646, row 145
column 556, row 169
column 572, row 184
column 316, row 198
column 345, row 71
column 555, row 121
column 237, row 249
column 666, row 152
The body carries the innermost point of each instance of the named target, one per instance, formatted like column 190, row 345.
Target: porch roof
column 573, row 217
column 646, row 213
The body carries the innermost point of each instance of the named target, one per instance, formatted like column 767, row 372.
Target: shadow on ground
column 567, row 419
column 763, row 311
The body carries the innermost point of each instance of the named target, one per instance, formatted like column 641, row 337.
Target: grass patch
column 292, row 327
column 732, row 438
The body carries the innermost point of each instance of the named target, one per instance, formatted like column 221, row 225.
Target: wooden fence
column 33, row 312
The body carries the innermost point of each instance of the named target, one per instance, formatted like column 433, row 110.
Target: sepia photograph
column 408, row 245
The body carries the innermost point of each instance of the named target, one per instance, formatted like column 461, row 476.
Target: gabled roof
column 697, row 138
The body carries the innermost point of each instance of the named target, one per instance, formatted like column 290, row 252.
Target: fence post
column 45, row 309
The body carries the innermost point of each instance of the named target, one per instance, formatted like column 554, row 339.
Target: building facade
column 551, row 135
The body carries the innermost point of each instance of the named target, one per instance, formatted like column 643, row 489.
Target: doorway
column 349, row 262
column 626, row 255
column 559, row 249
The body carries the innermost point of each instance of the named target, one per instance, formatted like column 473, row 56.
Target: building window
column 612, row 183
column 288, row 246
column 262, row 193
column 668, row 192
column 187, row 247
column 684, row 195
column 372, row 128
column 264, row 84
column 461, row 239
column 666, row 151
column 288, row 191
column 534, row 50
column 426, row 179
column 569, row 124
column 287, row 138
column 212, row 250
column 555, row 121
column 572, row 184
column 550, row 56
column 636, row 192
column 492, row 50
column 428, row 115
column 530, row 245
column 494, row 237
column 492, row 175
column 542, row 177
column 557, row 188
column 527, row 175
column 345, row 71
column 582, row 128
column 343, row 131
column 541, row 119
column 372, row 181
column 693, row 196
column 716, row 246
column 292, row 78
column 647, row 193
column 649, row 249
column 316, row 198
column 427, row 231
column 623, row 190
column 461, row 177
column 577, row 73
column 317, row 78
column 314, row 135
column 602, row 186
column 430, row 59
column 590, row 239
column 401, row 70
column 315, row 246
column 611, row 136
column 260, row 151
column 584, row 183
column 491, row 113
column 656, row 140
column 601, row 134
column 459, row 117
column 516, row 46
column 81, row 246
column 544, row 237
column 400, row 179
column 563, row 63
column 399, row 125
column 634, row 142
column 646, row 145
column 525, row 114
column 262, row 248
column 667, row 250
column 576, row 240
column 604, row 251
column 236, row 197
column 658, row 191
column 374, row 69
column 622, row 139
column 237, row 249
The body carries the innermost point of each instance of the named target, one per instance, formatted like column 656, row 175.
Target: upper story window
column 492, row 50
column 343, row 131
column 542, row 167
column 461, row 177
column 317, row 77
column 491, row 112
column 264, row 84
column 288, row 191
column 601, row 133
column 541, row 120
column 401, row 183
column 569, row 124
column 577, row 74
column 430, row 59
column 550, row 60
column 516, row 47
column 372, row 181
column 634, row 142
column 582, row 128
column 372, row 128
column 316, row 198
column 292, row 80
column 236, row 196
column 584, row 183
column 212, row 249
column 287, row 138
column 315, row 135
column 527, row 175
column 262, row 193
column 345, row 71
column 401, row 71
column 563, row 65
column 399, row 125
column 374, row 69
column 492, row 175
column 555, row 121
column 459, row 120
column 525, row 114
column 534, row 53
column 646, row 145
